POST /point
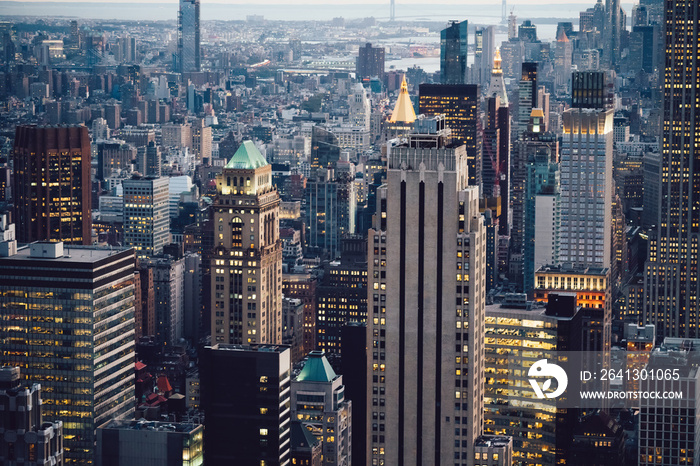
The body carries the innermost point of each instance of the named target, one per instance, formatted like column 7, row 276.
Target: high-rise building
column 201, row 141
column 484, row 45
column 51, row 184
column 496, row 147
column 664, row 438
column 246, row 401
column 68, row 321
column 123, row 442
column 563, row 50
column 425, row 318
column 370, row 63
column 531, row 145
column 188, row 36
column 460, row 104
column 28, row 439
column 154, row 161
column 331, row 206
column 612, row 33
column 146, row 216
column 114, row 155
column 318, row 402
column 542, row 210
column 169, row 297
column 246, row 261
column 527, row 96
column 325, row 149
column 454, row 41
column 359, row 107
column 586, row 187
column 671, row 271
column 303, row 286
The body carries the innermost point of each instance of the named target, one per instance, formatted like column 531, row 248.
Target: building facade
column 146, row 215
column 68, row 323
column 246, row 261
column 426, row 397
column 188, row 37
column 51, row 184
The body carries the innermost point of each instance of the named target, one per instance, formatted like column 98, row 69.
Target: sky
column 489, row 3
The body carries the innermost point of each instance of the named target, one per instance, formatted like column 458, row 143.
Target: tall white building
column 586, row 187
column 146, row 216
column 360, row 109
column 425, row 318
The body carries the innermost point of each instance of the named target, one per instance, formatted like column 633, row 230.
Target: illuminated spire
column 496, row 85
column 497, row 62
column 403, row 110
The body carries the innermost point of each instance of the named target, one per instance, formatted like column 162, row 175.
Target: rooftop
column 247, row 157
column 151, row 426
column 71, row 254
column 317, row 369
column 492, row 441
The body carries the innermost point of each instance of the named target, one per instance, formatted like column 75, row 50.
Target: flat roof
column 71, row 254
column 142, row 424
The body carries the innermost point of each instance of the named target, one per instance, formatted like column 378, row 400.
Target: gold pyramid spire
column 497, row 62
column 403, row 110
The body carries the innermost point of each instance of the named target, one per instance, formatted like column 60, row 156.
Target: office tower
column 246, row 262
column 645, row 48
column 460, row 104
column 494, row 450
column 84, row 323
column 146, row 322
column 146, row 219
column 169, row 297
column 542, row 431
column 542, row 210
column 532, row 144
column 593, row 18
column 670, row 275
column 342, row 294
column 454, row 42
column 359, row 107
column 370, row 63
column 325, row 151
column 354, row 369
column 293, row 327
column 123, row 442
column 318, row 401
column 303, row 286
column 563, row 50
column 664, row 438
column 527, row 32
column 201, row 141
column 28, row 439
column 513, row 52
column 188, row 36
column 331, row 207
column 612, row 33
column 192, row 316
column 114, row 155
column 51, row 184
column 426, row 317
column 306, row 449
column 256, row 431
column 586, row 187
column 496, row 166
column 113, row 115
column 484, row 44
column 153, row 160
column 527, row 96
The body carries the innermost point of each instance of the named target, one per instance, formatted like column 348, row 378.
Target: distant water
column 482, row 14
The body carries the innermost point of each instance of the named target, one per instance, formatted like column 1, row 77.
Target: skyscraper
column 671, row 272
column 246, row 401
column 188, row 36
column 370, row 63
column 484, row 42
column 246, row 261
column 51, row 184
column 426, row 318
column 460, row 105
column 146, row 216
column 496, row 166
column 453, row 53
column 527, row 96
column 586, row 187
column 68, row 321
